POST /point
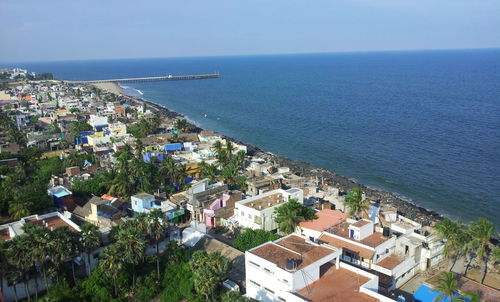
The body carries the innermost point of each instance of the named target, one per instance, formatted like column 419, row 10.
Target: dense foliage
column 288, row 215
column 144, row 127
column 23, row 189
column 250, row 238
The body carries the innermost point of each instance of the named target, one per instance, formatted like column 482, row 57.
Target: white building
column 258, row 212
column 295, row 269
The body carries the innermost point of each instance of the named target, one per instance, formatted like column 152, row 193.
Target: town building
column 258, row 212
column 294, row 269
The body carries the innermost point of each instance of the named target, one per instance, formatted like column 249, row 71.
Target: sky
column 48, row 30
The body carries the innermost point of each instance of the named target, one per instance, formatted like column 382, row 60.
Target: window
column 268, row 271
column 242, row 214
column 269, row 291
column 255, row 283
column 254, row 264
column 281, row 299
column 407, row 249
column 285, row 281
column 249, row 216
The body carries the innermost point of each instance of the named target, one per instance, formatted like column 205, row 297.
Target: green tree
column 209, row 270
column 447, row 284
column 131, row 241
column 182, row 125
column 233, row 296
column 21, row 260
column 112, row 264
column 156, row 229
column 481, row 231
column 456, row 238
column 250, row 238
column 473, row 296
column 209, row 171
column 288, row 215
column 91, row 240
column 355, row 202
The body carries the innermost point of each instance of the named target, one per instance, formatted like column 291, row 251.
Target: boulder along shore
column 404, row 207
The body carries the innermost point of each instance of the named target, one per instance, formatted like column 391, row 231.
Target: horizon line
column 252, row 55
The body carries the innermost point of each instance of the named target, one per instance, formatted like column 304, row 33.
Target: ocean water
column 424, row 124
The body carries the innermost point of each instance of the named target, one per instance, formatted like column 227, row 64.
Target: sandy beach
column 110, row 87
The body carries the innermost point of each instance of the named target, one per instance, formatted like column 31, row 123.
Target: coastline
column 404, row 207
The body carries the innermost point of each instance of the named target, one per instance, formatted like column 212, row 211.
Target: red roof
column 326, row 219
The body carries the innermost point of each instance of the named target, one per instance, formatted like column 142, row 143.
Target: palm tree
column 90, row 240
column 21, row 260
column 61, row 249
column 481, row 231
column 354, row 201
column 447, row 284
column 131, row 242
column 156, row 228
column 290, row 214
column 112, row 263
column 181, row 124
column 209, row 171
column 473, row 296
column 456, row 238
column 4, row 269
column 18, row 210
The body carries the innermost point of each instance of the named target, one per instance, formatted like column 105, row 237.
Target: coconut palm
column 131, row 241
column 90, row 240
column 209, row 171
column 21, row 260
column 181, row 124
column 4, row 268
column 481, row 231
column 18, row 209
column 112, row 263
column 156, row 228
column 447, row 285
column 456, row 238
column 472, row 296
column 355, row 202
column 288, row 215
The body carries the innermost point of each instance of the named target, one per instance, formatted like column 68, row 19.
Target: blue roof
column 173, row 147
column 425, row 294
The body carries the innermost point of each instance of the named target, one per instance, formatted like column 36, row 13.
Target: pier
column 155, row 79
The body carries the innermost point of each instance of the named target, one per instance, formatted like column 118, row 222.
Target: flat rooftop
column 326, row 219
column 265, row 202
column 50, row 223
column 391, row 261
column 291, row 247
column 5, row 234
column 373, row 240
column 337, row 285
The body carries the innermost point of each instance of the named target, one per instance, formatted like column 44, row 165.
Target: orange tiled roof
column 326, row 219
column 5, row 234
column 52, row 223
column 337, row 285
column 373, row 240
column 305, row 253
column 390, row 261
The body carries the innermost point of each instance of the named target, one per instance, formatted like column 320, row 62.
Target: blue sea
column 423, row 124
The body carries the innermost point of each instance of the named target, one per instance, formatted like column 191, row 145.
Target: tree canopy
column 250, row 238
column 288, row 215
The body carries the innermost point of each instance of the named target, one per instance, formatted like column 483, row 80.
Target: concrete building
column 295, row 269
column 258, row 212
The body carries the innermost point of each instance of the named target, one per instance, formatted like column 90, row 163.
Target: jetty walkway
column 154, row 79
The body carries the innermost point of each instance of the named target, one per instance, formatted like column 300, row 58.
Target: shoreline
column 404, row 207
